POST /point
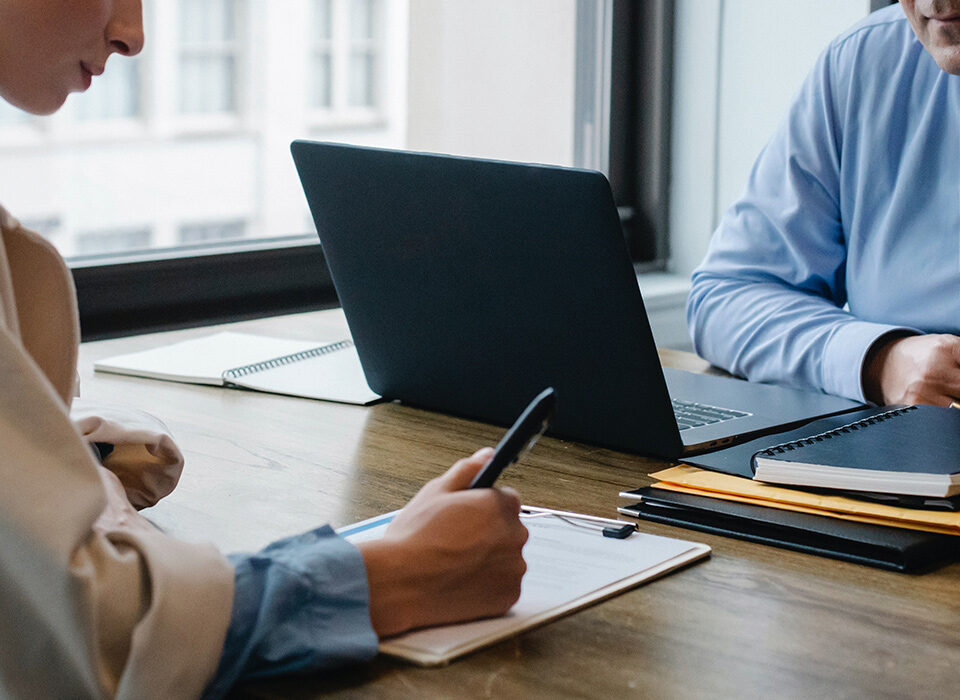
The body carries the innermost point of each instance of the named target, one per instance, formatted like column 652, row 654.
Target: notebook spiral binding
column 243, row 371
column 836, row 432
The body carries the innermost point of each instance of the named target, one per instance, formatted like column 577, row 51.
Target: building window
column 363, row 53
column 209, row 56
column 175, row 149
column 114, row 95
column 321, row 79
column 47, row 226
column 345, row 60
column 211, row 232
column 11, row 115
column 119, row 240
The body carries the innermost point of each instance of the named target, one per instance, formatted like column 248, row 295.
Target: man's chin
column 948, row 59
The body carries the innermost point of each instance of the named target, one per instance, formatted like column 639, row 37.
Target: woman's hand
column 452, row 554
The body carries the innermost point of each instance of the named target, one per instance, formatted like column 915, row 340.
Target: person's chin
column 43, row 104
column 36, row 99
column 948, row 58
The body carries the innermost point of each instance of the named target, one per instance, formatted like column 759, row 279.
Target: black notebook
column 738, row 461
column 874, row 545
column 908, row 450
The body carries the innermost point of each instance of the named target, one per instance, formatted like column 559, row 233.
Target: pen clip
column 615, row 529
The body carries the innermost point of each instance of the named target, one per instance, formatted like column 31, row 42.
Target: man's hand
column 915, row 369
column 450, row 555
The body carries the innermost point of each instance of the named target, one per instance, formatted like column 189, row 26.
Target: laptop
column 470, row 285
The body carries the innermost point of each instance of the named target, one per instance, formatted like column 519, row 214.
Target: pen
column 529, row 426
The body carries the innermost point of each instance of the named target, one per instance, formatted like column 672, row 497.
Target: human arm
column 109, row 604
column 768, row 301
column 314, row 601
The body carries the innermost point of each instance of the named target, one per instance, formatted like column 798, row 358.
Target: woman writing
column 94, row 601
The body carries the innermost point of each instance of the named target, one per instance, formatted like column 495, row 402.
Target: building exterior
column 187, row 145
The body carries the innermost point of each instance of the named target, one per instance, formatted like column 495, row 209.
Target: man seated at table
column 839, row 267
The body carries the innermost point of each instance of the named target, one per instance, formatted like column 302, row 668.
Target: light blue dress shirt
column 849, row 227
column 300, row 605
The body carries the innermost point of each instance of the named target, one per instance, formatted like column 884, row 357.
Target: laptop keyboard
column 692, row 415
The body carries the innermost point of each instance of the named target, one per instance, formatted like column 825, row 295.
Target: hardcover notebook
column 569, row 566
column 738, row 461
column 308, row 369
column 911, row 450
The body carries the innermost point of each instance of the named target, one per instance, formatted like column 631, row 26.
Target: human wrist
column 874, row 364
column 395, row 599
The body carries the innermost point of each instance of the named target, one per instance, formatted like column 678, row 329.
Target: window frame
column 178, row 292
column 641, row 98
column 289, row 275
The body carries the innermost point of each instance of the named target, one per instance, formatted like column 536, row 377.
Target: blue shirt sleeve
column 768, row 301
column 300, row 605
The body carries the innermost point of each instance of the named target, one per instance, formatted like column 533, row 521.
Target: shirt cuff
column 300, row 605
column 845, row 353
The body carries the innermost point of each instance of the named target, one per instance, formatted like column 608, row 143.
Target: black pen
column 522, row 434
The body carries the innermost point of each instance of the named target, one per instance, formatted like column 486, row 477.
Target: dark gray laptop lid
column 470, row 285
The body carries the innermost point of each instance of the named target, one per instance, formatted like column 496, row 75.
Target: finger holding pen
column 452, row 554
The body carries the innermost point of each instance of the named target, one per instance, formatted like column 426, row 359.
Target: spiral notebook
column 909, row 450
column 328, row 371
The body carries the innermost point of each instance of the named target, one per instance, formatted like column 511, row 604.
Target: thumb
column 459, row 476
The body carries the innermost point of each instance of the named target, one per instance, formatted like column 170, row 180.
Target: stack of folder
column 716, row 493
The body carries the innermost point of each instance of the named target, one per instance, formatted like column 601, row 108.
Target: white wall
column 493, row 78
column 737, row 65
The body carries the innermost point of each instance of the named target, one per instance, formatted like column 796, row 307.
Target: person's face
column 50, row 48
column 937, row 25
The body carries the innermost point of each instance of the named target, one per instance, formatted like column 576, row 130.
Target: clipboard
column 570, row 565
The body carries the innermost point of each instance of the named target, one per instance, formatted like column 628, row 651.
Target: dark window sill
column 155, row 295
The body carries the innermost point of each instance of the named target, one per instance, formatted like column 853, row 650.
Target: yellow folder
column 702, row 482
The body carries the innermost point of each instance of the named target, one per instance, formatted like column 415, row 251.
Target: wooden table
column 751, row 621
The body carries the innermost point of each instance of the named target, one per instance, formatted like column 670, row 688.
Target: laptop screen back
column 470, row 285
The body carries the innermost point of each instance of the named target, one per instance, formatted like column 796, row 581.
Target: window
column 363, row 54
column 114, row 95
column 212, row 232
column 11, row 115
column 321, row 78
column 191, row 139
column 346, row 42
column 48, row 227
column 209, row 54
column 112, row 240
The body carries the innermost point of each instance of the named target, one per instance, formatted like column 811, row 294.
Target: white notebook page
column 203, row 360
column 567, row 568
column 333, row 376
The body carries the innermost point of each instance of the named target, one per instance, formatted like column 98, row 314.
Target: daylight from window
column 186, row 147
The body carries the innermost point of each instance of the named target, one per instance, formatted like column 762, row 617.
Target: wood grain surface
column 751, row 621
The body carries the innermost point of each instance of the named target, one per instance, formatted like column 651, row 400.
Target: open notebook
column 569, row 565
column 328, row 371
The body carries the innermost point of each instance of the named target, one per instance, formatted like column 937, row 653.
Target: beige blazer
column 94, row 602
